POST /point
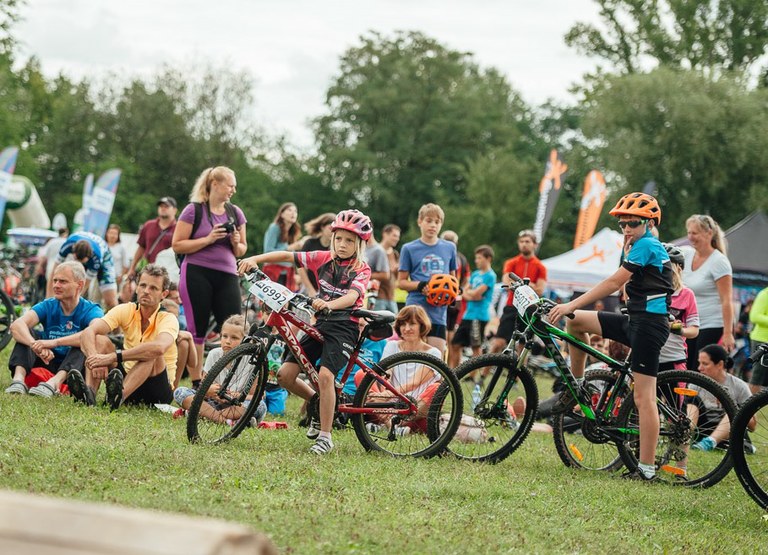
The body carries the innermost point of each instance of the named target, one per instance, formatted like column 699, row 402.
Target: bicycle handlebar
column 760, row 352
column 298, row 301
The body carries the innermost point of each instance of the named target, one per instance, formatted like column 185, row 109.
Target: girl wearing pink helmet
column 342, row 276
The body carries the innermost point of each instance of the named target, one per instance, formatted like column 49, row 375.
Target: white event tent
column 587, row 265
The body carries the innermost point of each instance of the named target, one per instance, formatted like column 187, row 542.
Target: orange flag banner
column 592, row 200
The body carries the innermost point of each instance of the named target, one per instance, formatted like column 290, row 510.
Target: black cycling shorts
column 155, row 390
column 470, row 333
column 645, row 334
column 507, row 323
column 333, row 353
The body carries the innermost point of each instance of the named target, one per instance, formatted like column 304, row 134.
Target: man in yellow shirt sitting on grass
column 143, row 371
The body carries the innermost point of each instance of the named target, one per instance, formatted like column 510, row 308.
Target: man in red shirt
column 525, row 265
column 155, row 235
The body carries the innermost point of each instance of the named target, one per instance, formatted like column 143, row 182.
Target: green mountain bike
column 596, row 426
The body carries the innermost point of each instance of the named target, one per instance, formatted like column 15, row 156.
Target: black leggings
column 706, row 337
column 203, row 291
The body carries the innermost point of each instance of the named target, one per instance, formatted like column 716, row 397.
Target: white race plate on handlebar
column 274, row 295
column 525, row 297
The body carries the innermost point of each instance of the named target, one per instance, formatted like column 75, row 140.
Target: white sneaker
column 402, row 431
column 372, row 427
column 321, row 446
column 314, row 429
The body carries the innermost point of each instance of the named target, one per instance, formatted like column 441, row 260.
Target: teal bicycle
column 596, row 426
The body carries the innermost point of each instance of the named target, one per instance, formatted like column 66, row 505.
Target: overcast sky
column 292, row 47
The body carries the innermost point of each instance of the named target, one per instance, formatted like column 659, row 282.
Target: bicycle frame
column 605, row 405
column 399, row 405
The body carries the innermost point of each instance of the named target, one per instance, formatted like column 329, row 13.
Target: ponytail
column 718, row 354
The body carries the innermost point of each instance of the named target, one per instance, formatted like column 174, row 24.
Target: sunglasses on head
column 632, row 224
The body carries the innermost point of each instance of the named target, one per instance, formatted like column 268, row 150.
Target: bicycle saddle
column 374, row 316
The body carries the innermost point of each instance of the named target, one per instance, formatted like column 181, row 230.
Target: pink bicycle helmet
column 354, row 221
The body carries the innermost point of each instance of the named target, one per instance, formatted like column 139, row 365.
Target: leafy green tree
column 718, row 34
column 9, row 16
column 406, row 115
column 502, row 195
column 701, row 140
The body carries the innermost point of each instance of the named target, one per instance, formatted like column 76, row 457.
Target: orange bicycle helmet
column 442, row 290
column 638, row 204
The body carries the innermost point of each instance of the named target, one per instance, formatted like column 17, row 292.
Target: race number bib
column 525, row 297
column 272, row 294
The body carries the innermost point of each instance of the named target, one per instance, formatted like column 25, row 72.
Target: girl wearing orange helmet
column 647, row 273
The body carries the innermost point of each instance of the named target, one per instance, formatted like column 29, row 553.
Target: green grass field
column 353, row 502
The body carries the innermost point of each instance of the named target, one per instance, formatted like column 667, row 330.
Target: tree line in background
column 409, row 120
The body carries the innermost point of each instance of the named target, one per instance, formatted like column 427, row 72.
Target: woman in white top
column 708, row 274
column 412, row 326
column 413, row 379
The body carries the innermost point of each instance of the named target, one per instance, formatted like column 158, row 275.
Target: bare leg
column 454, row 355
column 56, row 381
column 196, row 371
column 287, row 378
column 19, row 374
column 110, row 298
column 103, row 346
column 140, row 373
column 187, row 356
column 325, row 383
column 583, row 323
column 645, row 401
column 723, row 430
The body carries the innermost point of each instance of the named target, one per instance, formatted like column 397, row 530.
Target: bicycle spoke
column 750, row 448
column 494, row 423
column 581, row 442
column 690, row 407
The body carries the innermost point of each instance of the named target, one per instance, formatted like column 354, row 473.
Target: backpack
column 231, row 213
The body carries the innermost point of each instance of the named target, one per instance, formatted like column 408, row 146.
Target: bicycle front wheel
column 495, row 422
column 579, row 441
column 217, row 421
column 423, row 433
column 690, row 407
column 749, row 448
column 7, row 316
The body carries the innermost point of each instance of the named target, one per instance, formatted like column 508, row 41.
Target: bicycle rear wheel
column 492, row 427
column 579, row 441
column 249, row 359
column 7, row 316
column 424, row 433
column 749, row 449
column 690, row 406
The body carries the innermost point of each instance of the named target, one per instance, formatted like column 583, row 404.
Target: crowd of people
column 678, row 310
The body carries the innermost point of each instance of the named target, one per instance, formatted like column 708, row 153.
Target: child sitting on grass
column 215, row 408
column 185, row 346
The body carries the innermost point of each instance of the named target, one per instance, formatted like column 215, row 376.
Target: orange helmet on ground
column 638, row 204
column 442, row 290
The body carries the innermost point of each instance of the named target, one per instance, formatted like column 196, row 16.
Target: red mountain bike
column 383, row 417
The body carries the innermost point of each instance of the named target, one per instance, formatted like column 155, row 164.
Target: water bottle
column 476, row 395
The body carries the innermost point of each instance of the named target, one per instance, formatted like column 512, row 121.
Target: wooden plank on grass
column 49, row 526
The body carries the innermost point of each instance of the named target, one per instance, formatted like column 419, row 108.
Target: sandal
column 43, row 389
column 17, row 387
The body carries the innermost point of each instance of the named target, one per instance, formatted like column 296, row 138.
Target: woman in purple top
column 210, row 243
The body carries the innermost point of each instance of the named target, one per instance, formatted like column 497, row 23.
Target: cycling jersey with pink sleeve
column 335, row 278
column 682, row 308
